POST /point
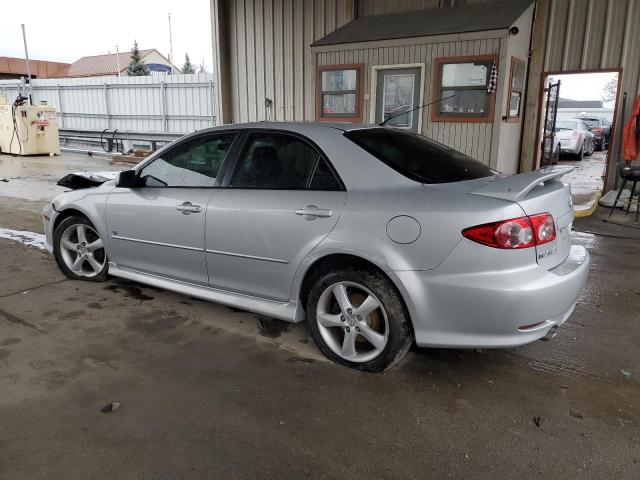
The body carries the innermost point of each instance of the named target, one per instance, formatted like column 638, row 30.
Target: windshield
column 418, row 157
column 566, row 125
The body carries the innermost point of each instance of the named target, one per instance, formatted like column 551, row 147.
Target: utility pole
column 118, row 59
column 170, row 45
column 26, row 56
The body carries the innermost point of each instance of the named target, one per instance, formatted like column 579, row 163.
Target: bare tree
column 609, row 90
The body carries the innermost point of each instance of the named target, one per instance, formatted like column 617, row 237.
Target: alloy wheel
column 352, row 322
column 82, row 250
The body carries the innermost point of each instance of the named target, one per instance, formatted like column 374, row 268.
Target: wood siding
column 474, row 139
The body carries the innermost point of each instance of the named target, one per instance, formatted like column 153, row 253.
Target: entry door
column 158, row 227
column 283, row 199
column 397, row 91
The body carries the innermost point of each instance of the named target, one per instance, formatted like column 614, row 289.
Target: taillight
column 575, row 135
column 522, row 232
column 596, row 130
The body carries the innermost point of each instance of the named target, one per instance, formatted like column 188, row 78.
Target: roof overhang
column 468, row 19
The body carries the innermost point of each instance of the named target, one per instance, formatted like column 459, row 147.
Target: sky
column 65, row 30
column 583, row 86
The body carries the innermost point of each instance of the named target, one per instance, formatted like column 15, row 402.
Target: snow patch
column 30, row 239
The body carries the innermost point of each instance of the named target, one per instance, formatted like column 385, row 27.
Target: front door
column 398, row 91
column 282, row 200
column 158, row 227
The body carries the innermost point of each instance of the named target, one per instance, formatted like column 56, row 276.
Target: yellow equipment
column 28, row 129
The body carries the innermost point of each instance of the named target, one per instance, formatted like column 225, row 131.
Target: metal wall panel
column 171, row 103
column 576, row 35
column 270, row 45
column 472, row 138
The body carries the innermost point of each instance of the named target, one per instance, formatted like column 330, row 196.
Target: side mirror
column 127, row 179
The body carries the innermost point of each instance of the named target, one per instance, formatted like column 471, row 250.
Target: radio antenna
column 383, row 123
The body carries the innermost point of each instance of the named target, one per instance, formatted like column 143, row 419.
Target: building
column 112, row 63
column 282, row 50
column 11, row 67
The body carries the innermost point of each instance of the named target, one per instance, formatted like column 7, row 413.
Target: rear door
column 158, row 227
column 282, row 199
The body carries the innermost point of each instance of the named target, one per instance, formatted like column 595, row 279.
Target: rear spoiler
column 515, row 187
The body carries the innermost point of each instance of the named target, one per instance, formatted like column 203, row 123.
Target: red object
column 522, row 232
column 630, row 140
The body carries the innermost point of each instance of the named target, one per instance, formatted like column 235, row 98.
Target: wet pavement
column 210, row 392
column 588, row 176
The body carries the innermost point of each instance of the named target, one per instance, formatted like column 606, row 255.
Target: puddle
column 129, row 290
column 29, row 239
column 271, row 327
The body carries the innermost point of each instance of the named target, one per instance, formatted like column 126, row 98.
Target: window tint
column 323, row 178
column 194, row 163
column 274, row 161
column 418, row 157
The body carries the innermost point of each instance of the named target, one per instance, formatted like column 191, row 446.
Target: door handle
column 187, row 208
column 312, row 211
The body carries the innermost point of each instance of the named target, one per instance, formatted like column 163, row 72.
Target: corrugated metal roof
column 104, row 64
column 39, row 68
column 433, row 21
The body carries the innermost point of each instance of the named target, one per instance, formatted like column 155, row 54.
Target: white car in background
column 575, row 138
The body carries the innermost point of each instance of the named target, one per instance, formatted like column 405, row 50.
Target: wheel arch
column 69, row 212
column 331, row 261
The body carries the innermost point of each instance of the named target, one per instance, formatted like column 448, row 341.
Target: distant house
column 12, row 67
column 111, row 63
column 568, row 103
column 568, row 108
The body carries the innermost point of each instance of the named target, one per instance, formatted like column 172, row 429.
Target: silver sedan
column 376, row 236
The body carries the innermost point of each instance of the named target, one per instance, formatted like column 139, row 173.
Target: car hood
column 78, row 180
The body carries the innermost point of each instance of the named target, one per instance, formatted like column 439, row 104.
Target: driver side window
column 194, row 163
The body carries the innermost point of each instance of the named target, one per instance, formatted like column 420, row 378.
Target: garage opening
column 576, row 128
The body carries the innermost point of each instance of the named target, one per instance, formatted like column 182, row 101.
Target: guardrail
column 110, row 138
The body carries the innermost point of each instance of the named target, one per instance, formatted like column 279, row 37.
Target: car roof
column 300, row 127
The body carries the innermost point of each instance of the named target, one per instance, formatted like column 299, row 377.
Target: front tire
column 79, row 250
column 357, row 319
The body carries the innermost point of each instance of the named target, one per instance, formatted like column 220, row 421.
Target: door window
column 282, row 162
column 397, row 94
column 194, row 163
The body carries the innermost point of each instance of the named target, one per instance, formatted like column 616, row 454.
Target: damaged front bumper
column 78, row 180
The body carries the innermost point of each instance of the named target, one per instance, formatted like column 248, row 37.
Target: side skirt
column 287, row 311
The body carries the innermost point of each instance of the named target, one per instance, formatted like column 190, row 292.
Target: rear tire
column 79, row 250
column 580, row 154
column 357, row 318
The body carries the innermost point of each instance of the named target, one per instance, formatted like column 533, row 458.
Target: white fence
column 167, row 103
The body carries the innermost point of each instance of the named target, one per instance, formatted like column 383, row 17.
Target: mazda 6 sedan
column 376, row 236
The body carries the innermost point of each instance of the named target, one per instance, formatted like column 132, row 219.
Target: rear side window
column 277, row 161
column 418, row 157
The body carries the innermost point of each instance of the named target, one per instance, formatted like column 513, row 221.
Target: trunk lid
column 536, row 192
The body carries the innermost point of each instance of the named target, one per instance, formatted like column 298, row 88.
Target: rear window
column 591, row 122
column 418, row 157
column 566, row 125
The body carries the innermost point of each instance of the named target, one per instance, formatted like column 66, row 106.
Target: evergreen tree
column 188, row 66
column 137, row 67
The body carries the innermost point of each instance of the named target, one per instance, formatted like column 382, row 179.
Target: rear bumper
column 491, row 309
column 569, row 146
